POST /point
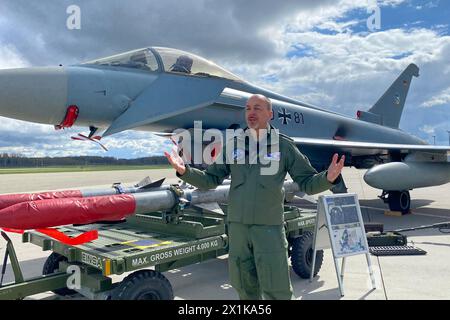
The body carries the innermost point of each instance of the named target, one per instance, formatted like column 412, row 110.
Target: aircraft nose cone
column 34, row 94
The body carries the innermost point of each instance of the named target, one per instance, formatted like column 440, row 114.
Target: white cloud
column 339, row 26
column 35, row 140
column 353, row 70
column 318, row 98
column 436, row 133
column 438, row 100
column 328, row 15
column 428, row 129
column 10, row 58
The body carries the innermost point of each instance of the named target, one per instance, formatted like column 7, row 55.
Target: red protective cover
column 59, row 212
column 61, row 237
column 14, row 230
column 8, row 200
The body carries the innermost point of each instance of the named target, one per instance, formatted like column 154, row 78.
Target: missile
column 8, row 200
column 49, row 213
column 145, row 185
column 117, row 188
column 398, row 176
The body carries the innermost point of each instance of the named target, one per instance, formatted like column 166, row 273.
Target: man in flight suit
column 258, row 260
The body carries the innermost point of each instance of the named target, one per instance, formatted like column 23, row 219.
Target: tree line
column 20, row 161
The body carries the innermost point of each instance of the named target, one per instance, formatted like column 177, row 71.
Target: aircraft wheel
column 399, row 201
column 51, row 265
column 144, row 285
column 302, row 255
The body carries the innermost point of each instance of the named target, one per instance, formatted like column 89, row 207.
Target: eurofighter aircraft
column 162, row 89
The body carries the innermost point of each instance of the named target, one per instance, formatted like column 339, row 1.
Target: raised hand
column 176, row 161
column 335, row 168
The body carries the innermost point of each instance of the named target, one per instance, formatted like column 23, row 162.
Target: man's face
column 257, row 113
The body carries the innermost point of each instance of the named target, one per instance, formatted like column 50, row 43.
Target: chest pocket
column 272, row 171
column 271, row 165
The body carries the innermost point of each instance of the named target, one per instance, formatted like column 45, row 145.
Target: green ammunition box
column 377, row 239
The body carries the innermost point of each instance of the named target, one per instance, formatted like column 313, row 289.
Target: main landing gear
column 397, row 200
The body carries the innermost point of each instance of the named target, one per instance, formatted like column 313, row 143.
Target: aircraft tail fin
column 388, row 110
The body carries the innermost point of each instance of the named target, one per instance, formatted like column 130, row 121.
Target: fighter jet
column 161, row 89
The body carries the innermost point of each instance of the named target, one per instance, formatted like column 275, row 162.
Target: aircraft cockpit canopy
column 167, row 60
column 183, row 62
column 142, row 59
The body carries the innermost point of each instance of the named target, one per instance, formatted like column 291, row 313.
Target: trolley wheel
column 302, row 254
column 144, row 285
column 50, row 266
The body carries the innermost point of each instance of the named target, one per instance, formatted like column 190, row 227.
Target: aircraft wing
column 165, row 98
column 371, row 148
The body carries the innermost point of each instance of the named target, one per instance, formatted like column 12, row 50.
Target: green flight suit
column 258, row 261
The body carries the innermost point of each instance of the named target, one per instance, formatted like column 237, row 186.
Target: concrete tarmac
column 397, row 277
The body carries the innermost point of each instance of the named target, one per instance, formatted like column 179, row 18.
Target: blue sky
column 320, row 52
column 408, row 14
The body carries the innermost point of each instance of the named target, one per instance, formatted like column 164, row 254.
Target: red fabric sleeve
column 59, row 212
column 8, row 200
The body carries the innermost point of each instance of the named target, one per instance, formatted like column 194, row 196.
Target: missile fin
column 211, row 206
column 147, row 183
column 306, row 197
